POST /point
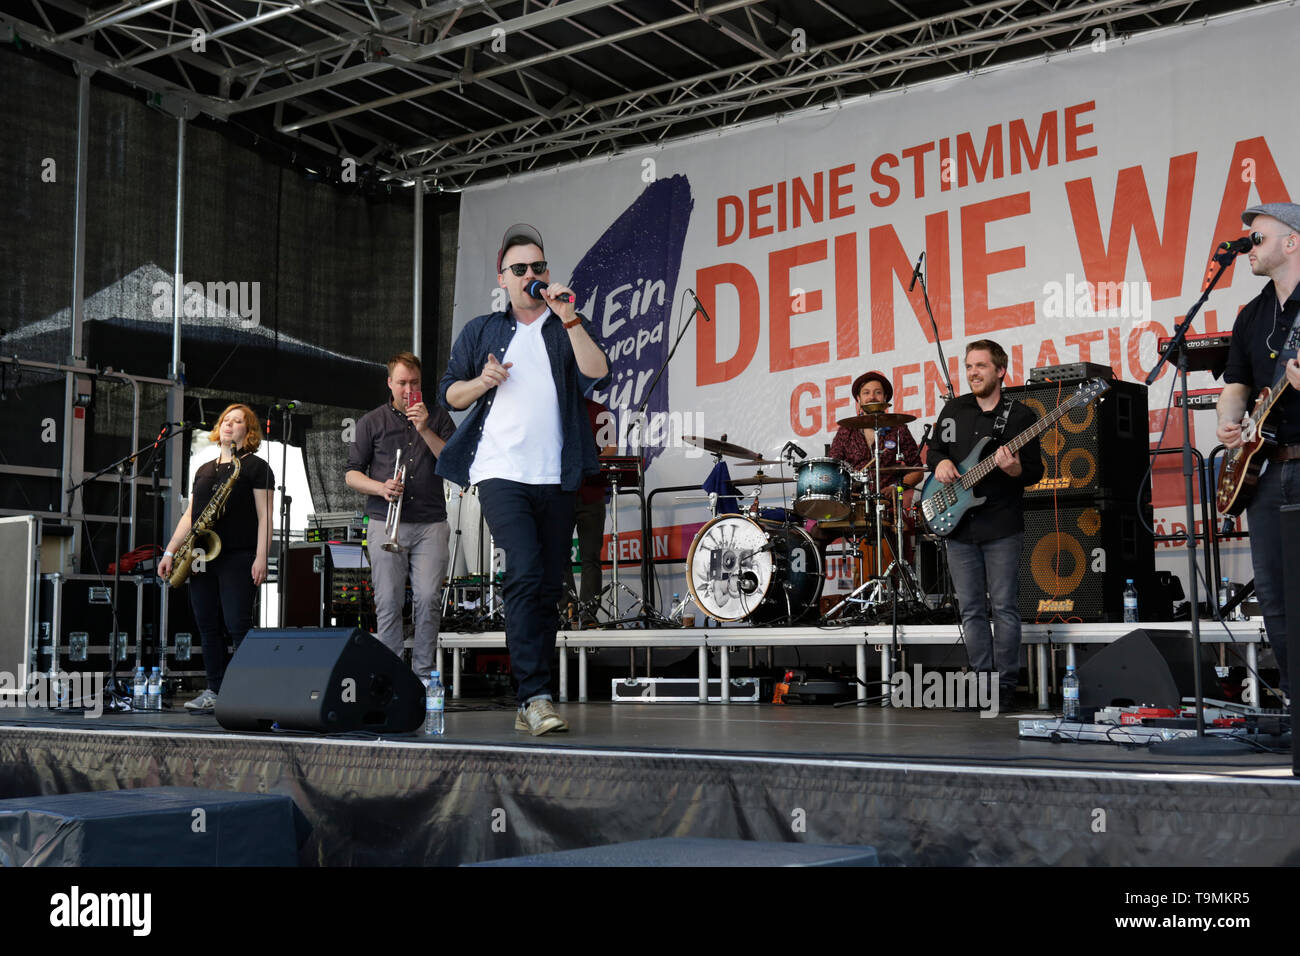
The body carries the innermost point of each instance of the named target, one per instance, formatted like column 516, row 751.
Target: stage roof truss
column 455, row 92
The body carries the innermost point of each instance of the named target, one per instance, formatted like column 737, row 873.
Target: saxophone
column 202, row 529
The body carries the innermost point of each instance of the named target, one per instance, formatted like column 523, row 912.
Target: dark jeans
column 222, row 596
column 992, row 568
column 590, row 520
column 532, row 524
column 1278, row 486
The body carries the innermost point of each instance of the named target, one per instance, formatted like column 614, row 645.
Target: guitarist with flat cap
column 1263, row 355
column 984, row 546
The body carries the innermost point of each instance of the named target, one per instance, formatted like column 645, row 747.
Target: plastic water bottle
column 154, row 694
column 675, row 614
column 1130, row 602
column 435, row 697
column 139, row 690
column 1070, row 690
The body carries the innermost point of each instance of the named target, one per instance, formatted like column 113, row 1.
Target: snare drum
column 823, row 488
column 739, row 568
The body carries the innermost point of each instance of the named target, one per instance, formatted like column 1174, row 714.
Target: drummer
column 856, row 446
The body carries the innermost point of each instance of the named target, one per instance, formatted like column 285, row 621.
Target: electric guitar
column 943, row 506
column 1239, row 473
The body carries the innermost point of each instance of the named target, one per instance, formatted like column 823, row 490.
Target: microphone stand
column 919, row 276
column 1200, row 745
column 166, row 434
column 650, row 615
column 282, row 553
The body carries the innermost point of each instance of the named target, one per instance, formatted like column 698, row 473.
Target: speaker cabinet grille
column 1075, row 561
column 1100, row 450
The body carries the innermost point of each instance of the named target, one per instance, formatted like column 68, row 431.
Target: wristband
column 576, row 321
column 169, row 554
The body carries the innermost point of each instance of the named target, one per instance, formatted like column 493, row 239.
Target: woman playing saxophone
column 223, row 588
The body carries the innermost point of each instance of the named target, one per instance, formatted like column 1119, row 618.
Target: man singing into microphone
column 526, row 444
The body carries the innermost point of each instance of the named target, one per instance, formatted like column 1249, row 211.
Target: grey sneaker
column 539, row 718
column 205, row 701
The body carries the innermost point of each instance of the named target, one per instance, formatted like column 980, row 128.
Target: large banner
column 1068, row 209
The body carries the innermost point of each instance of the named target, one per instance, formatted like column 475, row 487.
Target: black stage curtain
column 306, row 288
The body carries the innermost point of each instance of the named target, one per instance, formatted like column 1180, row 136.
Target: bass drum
column 761, row 571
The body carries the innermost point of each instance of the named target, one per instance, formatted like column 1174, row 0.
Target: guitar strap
column 1288, row 350
column 1004, row 413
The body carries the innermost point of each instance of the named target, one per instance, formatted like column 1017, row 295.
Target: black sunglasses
column 1257, row 238
column 521, row 269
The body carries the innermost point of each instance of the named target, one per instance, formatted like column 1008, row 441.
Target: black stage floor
column 925, row 787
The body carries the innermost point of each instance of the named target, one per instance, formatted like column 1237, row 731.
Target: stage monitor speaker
column 1148, row 668
column 329, row 680
column 1075, row 562
column 1100, row 450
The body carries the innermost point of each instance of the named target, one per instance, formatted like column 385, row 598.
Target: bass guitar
column 943, row 506
column 1239, row 473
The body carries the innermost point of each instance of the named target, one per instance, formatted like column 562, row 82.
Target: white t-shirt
column 522, row 435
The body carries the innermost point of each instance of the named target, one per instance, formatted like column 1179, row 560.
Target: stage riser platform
column 417, row 804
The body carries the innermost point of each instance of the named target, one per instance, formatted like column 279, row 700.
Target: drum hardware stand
column 874, row 585
column 615, row 587
column 448, row 587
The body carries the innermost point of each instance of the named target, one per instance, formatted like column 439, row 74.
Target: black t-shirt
column 237, row 526
column 1002, row 514
column 1262, row 327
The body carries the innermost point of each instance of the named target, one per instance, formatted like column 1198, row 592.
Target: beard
column 986, row 388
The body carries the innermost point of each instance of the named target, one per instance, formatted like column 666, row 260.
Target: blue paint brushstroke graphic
column 626, row 285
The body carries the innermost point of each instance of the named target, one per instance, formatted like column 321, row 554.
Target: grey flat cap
column 1287, row 212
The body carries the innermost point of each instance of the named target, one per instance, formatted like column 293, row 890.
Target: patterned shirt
column 896, row 445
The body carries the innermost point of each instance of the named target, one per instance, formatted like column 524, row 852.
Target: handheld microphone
column 536, row 286
column 698, row 307
column 1236, row 246
column 916, row 273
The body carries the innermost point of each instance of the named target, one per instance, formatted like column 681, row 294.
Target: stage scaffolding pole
column 74, row 433
column 417, row 319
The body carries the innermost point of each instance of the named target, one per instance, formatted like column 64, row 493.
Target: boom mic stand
column 919, row 276
column 1200, row 745
column 166, row 434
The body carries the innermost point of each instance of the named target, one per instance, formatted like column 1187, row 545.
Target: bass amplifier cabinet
column 1099, row 450
column 1075, row 562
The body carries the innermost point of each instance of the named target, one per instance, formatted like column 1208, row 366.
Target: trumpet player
column 391, row 461
column 223, row 588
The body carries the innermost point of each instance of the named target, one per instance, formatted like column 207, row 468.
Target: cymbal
column 721, row 447
column 874, row 420
column 761, row 461
column 762, row 480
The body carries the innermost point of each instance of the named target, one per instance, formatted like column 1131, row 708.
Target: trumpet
column 394, row 519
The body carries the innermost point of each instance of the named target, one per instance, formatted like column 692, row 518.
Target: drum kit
column 762, row 566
